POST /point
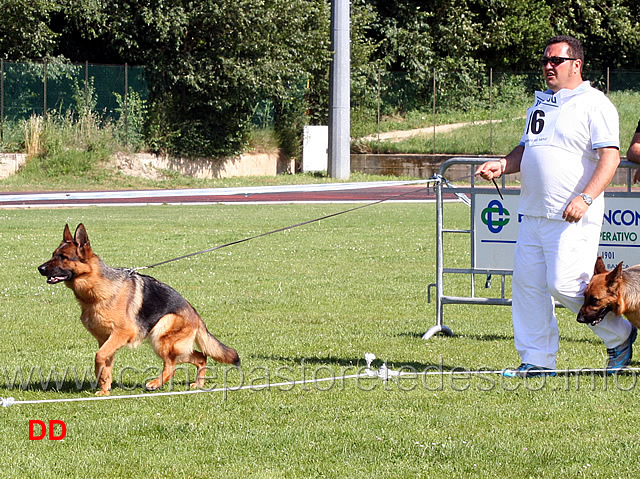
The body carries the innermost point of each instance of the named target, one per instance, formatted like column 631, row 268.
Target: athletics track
column 405, row 191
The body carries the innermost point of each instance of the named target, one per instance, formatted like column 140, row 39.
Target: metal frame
column 470, row 191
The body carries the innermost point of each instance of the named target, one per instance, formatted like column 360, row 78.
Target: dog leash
column 473, row 176
column 434, row 179
column 243, row 240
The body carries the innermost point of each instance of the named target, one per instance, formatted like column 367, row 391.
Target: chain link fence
column 113, row 92
column 39, row 88
column 116, row 92
column 395, row 101
column 397, row 93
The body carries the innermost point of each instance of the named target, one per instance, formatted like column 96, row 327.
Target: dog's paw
column 196, row 385
column 103, row 392
column 152, row 385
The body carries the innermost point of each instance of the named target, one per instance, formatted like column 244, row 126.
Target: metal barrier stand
column 441, row 298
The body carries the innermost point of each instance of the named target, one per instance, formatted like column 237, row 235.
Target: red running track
column 297, row 194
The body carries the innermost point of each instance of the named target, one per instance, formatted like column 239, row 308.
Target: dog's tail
column 213, row 348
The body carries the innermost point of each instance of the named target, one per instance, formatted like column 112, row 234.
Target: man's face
column 562, row 75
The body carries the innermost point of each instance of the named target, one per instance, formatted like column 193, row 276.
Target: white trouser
column 554, row 259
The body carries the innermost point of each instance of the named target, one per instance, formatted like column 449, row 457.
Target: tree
column 608, row 29
column 81, row 26
column 421, row 38
column 403, row 34
column 515, row 32
column 24, row 29
column 210, row 61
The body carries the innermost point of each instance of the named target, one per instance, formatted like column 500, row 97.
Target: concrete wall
column 425, row 166
column 253, row 164
column 421, row 166
column 148, row 165
column 10, row 163
column 416, row 165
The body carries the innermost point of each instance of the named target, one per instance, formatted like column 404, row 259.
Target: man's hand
column 575, row 210
column 491, row 169
column 609, row 159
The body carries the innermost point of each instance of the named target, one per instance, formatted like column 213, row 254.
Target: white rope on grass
column 5, row 402
column 383, row 372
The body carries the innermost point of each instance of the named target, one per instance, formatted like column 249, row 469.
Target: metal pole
column 86, row 86
column 379, row 100
column 44, row 90
column 434, row 111
column 340, row 92
column 439, row 326
column 126, row 107
column 490, row 111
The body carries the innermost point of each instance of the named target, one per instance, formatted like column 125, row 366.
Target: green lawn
column 504, row 134
column 305, row 303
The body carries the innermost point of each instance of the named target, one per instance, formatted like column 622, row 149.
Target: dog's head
column 70, row 259
column 602, row 294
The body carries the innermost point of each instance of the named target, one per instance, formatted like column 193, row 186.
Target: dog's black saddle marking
column 158, row 300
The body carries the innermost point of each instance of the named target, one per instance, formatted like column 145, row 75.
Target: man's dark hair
column 575, row 47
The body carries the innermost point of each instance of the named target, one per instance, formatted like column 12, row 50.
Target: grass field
column 306, row 303
column 503, row 134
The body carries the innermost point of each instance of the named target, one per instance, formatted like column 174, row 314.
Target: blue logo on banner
column 495, row 216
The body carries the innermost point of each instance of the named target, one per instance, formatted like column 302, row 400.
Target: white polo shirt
column 561, row 136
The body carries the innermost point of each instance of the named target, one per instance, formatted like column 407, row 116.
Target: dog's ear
column 81, row 238
column 600, row 267
column 615, row 274
column 66, row 235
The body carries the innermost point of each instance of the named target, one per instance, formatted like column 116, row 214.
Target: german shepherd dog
column 122, row 308
column 616, row 291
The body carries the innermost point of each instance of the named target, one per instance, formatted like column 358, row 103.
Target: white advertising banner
column 496, row 225
column 496, row 230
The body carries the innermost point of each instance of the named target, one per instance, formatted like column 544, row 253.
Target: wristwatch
column 587, row 199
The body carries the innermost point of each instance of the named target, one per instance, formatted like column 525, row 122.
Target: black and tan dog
column 616, row 291
column 122, row 308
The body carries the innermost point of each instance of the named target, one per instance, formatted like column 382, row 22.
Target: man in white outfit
column 567, row 156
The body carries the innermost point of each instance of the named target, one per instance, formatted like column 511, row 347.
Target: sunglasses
column 554, row 60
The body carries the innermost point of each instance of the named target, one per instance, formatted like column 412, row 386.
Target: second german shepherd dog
column 122, row 308
column 616, row 291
